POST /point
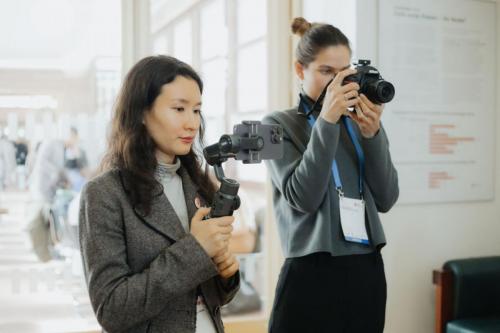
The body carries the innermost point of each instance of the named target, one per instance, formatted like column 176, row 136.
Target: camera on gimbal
column 371, row 83
column 251, row 142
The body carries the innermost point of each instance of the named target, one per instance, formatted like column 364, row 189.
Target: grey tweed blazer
column 144, row 272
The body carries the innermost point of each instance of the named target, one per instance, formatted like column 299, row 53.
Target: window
column 221, row 39
column 182, row 48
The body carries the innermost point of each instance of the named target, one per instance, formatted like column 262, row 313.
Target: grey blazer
column 144, row 272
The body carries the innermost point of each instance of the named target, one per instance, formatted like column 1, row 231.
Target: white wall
column 420, row 237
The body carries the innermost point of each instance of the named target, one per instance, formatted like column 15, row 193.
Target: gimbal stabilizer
column 251, row 142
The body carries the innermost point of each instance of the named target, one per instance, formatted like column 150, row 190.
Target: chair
column 468, row 296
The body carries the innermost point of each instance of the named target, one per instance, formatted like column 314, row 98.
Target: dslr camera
column 371, row 83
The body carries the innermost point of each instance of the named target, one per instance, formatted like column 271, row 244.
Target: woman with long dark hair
column 151, row 262
column 335, row 177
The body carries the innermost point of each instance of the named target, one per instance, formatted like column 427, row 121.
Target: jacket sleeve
column 121, row 298
column 227, row 289
column 380, row 173
column 303, row 179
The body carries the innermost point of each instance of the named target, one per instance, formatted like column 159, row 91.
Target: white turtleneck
column 167, row 175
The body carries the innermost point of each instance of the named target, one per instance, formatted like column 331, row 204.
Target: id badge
column 352, row 219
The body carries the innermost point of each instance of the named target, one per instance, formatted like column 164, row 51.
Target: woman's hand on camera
column 367, row 116
column 339, row 97
column 227, row 264
column 212, row 234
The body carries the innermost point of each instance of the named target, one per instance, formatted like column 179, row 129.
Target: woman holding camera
column 152, row 264
column 335, row 177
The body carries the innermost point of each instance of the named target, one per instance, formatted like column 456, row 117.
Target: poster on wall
column 441, row 57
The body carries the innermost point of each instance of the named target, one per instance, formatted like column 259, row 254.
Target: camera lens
column 384, row 91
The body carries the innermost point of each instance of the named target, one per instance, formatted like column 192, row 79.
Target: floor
column 37, row 297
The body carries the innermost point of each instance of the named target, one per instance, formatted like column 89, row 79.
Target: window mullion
column 196, row 40
column 232, row 79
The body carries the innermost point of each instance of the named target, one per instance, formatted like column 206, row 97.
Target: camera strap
column 359, row 152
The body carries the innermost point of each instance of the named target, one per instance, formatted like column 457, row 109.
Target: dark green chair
column 468, row 296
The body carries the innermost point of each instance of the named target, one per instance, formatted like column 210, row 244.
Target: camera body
column 371, row 83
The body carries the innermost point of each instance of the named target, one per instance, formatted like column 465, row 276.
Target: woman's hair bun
column 300, row 26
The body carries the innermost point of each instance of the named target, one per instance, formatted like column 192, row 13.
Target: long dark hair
column 314, row 38
column 131, row 149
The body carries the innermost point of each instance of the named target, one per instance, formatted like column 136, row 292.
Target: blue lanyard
column 357, row 146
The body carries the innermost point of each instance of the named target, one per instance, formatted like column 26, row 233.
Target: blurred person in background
column 21, row 158
column 48, row 173
column 75, row 161
column 58, row 173
column 21, row 151
column 7, row 163
column 47, row 176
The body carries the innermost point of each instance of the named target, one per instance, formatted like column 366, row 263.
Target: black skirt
column 320, row 293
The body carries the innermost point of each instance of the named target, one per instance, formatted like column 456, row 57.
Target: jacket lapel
column 190, row 192
column 163, row 217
